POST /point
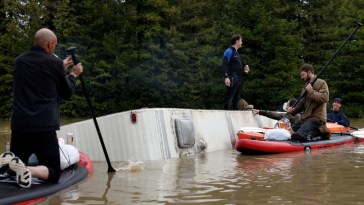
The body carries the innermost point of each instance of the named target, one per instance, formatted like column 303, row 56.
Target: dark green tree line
column 168, row 53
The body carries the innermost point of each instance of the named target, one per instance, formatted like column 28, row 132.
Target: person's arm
column 225, row 62
column 67, row 84
column 271, row 114
column 67, row 62
column 245, row 67
column 319, row 92
column 343, row 120
column 298, row 108
column 294, row 118
column 246, row 70
column 330, row 116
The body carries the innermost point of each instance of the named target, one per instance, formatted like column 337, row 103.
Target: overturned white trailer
column 160, row 133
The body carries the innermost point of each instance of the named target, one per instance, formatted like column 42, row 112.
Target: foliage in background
column 168, row 53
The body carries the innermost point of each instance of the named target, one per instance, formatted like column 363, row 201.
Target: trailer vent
column 185, row 132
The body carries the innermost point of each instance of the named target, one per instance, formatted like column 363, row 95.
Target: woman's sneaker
column 23, row 175
column 5, row 158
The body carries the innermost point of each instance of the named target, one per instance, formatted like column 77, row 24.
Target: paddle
column 338, row 50
column 71, row 51
column 355, row 128
column 358, row 134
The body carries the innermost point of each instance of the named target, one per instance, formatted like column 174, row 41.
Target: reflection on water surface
column 329, row 176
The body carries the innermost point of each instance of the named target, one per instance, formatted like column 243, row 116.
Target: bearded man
column 312, row 106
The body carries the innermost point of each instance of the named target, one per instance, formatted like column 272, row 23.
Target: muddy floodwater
column 327, row 176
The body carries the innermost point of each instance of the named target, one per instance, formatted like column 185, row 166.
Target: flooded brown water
column 328, row 176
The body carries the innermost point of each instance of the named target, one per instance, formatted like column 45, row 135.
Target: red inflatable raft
column 11, row 193
column 249, row 146
column 251, row 141
column 258, row 133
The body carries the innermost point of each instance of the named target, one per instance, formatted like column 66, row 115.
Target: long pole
column 75, row 60
column 337, row 51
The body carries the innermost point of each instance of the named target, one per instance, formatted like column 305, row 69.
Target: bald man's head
column 43, row 37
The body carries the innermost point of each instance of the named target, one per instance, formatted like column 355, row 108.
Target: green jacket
column 279, row 115
column 313, row 104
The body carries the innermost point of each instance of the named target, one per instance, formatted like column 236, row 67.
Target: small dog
column 243, row 105
column 325, row 132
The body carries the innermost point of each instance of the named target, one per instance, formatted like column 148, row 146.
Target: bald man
column 39, row 83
